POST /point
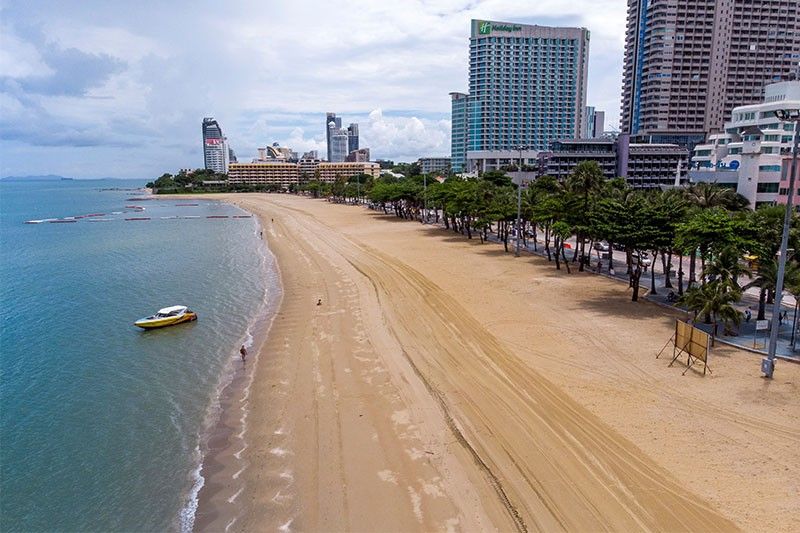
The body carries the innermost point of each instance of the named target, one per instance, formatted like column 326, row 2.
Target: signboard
column 212, row 142
column 486, row 28
column 762, row 324
column 694, row 342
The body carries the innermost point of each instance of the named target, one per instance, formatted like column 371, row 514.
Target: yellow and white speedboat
column 169, row 316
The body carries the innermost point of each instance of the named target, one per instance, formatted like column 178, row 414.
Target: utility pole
column 768, row 364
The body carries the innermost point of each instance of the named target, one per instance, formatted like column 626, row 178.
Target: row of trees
column 709, row 225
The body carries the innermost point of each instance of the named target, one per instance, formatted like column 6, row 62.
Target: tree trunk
column 762, row 303
column 680, row 274
column 557, row 245
column 653, row 274
column 636, row 274
column 666, row 263
column 610, row 258
column 692, row 268
column 577, row 248
column 547, row 242
column 566, row 263
column 629, row 260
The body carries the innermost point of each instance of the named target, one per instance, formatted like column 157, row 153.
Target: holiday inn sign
column 485, row 28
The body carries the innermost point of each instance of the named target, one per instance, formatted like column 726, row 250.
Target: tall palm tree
column 584, row 182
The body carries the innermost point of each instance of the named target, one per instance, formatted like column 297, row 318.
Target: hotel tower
column 527, row 86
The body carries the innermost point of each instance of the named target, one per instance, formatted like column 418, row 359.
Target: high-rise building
column 352, row 138
column 215, row 147
column 332, row 122
column 595, row 123
column 337, row 144
column 527, row 86
column 458, row 129
column 688, row 63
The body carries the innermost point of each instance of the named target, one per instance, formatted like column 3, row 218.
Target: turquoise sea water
column 102, row 423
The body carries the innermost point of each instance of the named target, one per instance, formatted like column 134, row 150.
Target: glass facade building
column 527, row 86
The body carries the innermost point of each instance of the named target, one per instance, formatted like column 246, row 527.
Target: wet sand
column 445, row 385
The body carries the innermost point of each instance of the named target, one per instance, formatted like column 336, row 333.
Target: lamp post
column 425, row 198
column 519, row 148
column 768, row 364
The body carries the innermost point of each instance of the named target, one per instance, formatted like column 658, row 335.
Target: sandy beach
column 442, row 384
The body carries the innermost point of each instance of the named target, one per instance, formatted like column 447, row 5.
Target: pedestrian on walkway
column 747, row 315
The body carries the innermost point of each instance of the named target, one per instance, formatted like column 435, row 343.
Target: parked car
column 602, row 246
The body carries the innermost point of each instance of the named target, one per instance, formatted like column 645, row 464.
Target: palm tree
column 714, row 301
column 583, row 184
column 708, row 195
column 767, row 279
column 726, row 268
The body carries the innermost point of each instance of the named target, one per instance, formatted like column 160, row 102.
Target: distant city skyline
column 99, row 95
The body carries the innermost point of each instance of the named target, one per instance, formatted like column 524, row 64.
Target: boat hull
column 165, row 322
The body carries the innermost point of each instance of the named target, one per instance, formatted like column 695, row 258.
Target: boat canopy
column 175, row 309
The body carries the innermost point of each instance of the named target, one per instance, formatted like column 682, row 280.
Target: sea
column 103, row 425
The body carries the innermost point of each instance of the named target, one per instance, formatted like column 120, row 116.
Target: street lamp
column 768, row 364
column 425, row 199
column 519, row 148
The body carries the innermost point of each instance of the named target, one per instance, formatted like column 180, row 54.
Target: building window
column 769, row 168
column 767, row 187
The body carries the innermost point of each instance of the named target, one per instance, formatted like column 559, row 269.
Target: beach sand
column 445, row 385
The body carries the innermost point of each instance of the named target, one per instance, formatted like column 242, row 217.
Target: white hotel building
column 748, row 156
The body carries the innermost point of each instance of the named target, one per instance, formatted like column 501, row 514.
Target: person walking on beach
column 243, row 353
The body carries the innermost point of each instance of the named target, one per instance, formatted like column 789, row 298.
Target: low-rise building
column 748, row 157
column 434, row 164
column 329, row 172
column 282, row 174
column 360, row 155
column 641, row 165
column 487, row 160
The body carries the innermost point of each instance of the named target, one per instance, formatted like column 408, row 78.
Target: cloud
column 127, row 86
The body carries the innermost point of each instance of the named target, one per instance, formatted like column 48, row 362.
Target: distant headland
column 47, row 177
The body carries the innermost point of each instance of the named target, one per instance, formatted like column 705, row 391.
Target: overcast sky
column 105, row 88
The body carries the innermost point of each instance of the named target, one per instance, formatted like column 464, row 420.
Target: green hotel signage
column 485, row 28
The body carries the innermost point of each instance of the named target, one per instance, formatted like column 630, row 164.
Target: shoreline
column 225, row 440
column 381, row 369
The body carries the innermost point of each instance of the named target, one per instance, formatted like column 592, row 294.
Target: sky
column 105, row 88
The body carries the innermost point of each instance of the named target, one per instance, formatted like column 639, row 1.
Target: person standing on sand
column 243, row 353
